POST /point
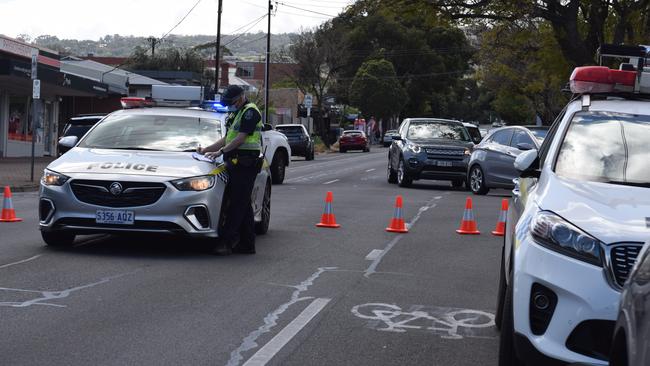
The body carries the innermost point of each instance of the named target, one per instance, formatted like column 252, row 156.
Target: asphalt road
column 356, row 295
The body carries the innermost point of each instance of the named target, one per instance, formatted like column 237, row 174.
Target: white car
column 578, row 218
column 134, row 171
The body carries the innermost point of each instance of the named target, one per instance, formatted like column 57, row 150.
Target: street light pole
column 218, row 46
column 266, row 66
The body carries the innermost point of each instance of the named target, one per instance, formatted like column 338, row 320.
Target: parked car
column 429, row 148
column 492, row 162
column 631, row 343
column 354, row 140
column 299, row 139
column 78, row 126
column 388, row 137
column 576, row 223
column 134, row 172
column 474, row 132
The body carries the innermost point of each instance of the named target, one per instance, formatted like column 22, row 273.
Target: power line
column 181, row 21
column 318, row 6
column 302, row 9
column 284, row 12
column 244, row 32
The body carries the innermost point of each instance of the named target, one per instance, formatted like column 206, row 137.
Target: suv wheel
column 392, row 174
column 310, row 154
column 58, row 238
column 263, row 226
column 403, row 179
column 278, row 168
column 477, row 181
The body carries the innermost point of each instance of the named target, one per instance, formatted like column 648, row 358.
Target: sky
column 92, row 19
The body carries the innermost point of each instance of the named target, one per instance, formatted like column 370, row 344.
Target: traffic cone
column 328, row 219
column 500, row 230
column 468, row 224
column 397, row 222
column 8, row 213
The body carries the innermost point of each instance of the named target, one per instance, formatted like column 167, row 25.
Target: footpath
column 15, row 173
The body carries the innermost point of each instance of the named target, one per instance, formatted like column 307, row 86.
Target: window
column 502, row 137
column 606, row 147
column 246, row 71
column 521, row 137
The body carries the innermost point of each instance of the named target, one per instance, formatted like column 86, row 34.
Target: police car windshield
column 437, row 130
column 606, row 147
column 153, row 132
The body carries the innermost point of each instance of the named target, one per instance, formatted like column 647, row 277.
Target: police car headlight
column 553, row 232
column 414, row 148
column 52, row 178
column 194, row 183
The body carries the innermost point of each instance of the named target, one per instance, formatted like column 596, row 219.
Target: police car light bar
column 600, row 79
column 134, row 102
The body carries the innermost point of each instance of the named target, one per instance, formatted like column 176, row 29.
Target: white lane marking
column 369, row 170
column 266, row 353
column 437, row 197
column 19, row 262
column 373, row 266
column 374, row 254
column 332, row 181
column 271, row 319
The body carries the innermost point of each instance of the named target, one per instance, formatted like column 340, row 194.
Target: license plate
column 115, row 217
column 444, row 163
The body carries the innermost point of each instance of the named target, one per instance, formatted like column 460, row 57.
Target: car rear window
column 353, row 134
column 153, row 132
column 290, row 129
column 606, row 147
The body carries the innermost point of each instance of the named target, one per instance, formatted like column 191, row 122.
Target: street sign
column 34, row 63
column 308, row 101
column 36, row 89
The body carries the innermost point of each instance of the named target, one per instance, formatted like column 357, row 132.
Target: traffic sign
column 34, row 63
column 308, row 100
column 36, row 89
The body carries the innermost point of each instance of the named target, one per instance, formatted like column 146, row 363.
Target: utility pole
column 218, row 48
column 266, row 67
column 153, row 42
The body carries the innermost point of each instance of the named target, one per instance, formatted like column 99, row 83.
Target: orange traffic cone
column 468, row 224
column 8, row 213
column 328, row 219
column 397, row 222
column 500, row 230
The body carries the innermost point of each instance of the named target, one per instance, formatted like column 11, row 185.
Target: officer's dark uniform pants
column 240, row 219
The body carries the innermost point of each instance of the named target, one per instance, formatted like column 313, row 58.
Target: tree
column 377, row 91
column 167, row 59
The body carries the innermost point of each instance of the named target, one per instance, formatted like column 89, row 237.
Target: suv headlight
column 194, row 183
column 557, row 234
column 413, row 147
column 52, row 178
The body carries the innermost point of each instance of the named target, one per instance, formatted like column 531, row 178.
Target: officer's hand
column 213, row 154
column 200, row 150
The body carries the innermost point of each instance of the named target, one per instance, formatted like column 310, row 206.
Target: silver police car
column 134, row 171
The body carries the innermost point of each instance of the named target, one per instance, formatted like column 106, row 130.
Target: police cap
column 232, row 92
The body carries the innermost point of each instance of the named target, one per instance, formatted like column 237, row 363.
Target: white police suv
column 579, row 216
column 134, row 171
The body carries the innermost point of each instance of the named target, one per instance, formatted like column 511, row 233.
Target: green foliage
column 167, row 59
column 376, row 90
column 284, row 83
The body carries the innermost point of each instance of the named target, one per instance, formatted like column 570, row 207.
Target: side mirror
column 527, row 164
column 524, row 146
column 396, row 137
column 68, row 141
column 267, row 127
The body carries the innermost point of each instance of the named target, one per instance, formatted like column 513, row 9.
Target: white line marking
column 369, row 170
column 373, row 266
column 271, row 319
column 332, row 181
column 374, row 254
column 266, row 353
column 19, row 262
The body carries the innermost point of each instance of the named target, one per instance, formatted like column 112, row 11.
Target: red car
column 353, row 140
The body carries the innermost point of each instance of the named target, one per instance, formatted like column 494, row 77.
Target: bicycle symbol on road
column 450, row 323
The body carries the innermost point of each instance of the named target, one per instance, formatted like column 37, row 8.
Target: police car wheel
column 278, row 168
column 501, row 294
column 263, row 226
column 507, row 353
column 58, row 239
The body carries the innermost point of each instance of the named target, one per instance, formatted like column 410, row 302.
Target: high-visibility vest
column 254, row 140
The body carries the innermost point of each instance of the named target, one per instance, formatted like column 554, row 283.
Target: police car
column 579, row 216
column 134, row 171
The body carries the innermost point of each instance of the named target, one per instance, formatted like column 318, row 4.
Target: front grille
column 438, row 153
column 622, row 259
column 97, row 192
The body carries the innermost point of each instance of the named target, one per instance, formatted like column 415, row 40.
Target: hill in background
column 248, row 45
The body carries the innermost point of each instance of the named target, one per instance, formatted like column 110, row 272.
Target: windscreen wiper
column 633, row 184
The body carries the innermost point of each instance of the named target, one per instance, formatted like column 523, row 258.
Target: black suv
column 78, row 126
column 429, row 148
column 299, row 140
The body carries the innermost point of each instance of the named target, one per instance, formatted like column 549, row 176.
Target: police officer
column 241, row 149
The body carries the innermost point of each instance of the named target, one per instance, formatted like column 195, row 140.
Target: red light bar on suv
column 601, row 79
column 134, row 102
